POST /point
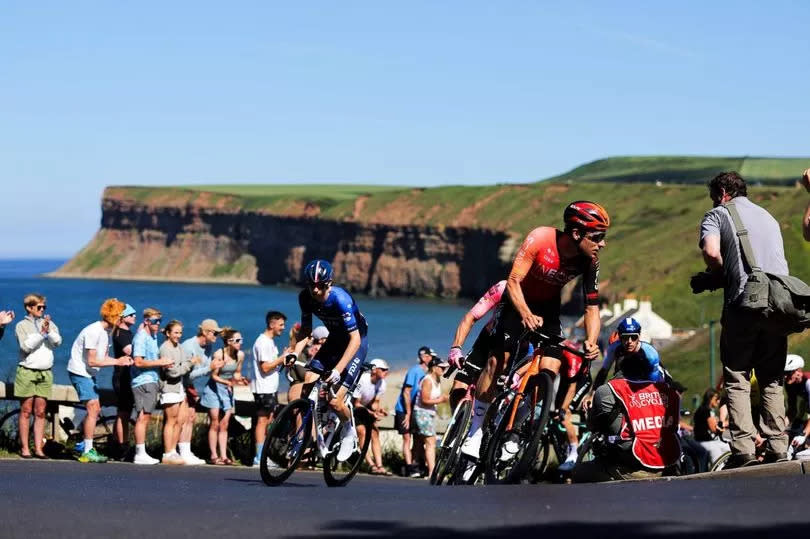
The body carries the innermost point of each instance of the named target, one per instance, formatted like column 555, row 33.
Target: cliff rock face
column 216, row 242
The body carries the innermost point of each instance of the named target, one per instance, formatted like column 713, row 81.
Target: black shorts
column 476, row 359
column 361, row 414
column 398, row 420
column 265, row 402
column 122, row 386
column 509, row 328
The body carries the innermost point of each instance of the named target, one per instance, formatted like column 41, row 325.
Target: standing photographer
column 745, row 344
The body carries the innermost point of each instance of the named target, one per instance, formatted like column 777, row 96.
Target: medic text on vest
column 649, row 423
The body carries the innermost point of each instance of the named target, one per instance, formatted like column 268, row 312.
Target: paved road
column 68, row 499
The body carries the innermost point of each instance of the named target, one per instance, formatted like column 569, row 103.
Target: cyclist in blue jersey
column 630, row 344
column 345, row 348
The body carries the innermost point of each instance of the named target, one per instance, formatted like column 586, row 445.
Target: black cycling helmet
column 318, row 271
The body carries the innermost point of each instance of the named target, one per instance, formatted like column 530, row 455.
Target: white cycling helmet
column 793, row 362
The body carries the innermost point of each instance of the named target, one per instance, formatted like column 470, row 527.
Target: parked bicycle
column 303, row 420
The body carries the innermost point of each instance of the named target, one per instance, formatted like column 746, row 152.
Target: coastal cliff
column 445, row 241
column 209, row 237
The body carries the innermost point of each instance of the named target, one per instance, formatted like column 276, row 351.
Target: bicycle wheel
column 510, row 452
column 538, row 468
column 336, row 473
column 493, row 415
column 287, row 440
column 447, row 453
column 721, row 462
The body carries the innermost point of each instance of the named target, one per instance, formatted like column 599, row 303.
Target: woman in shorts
column 172, row 391
column 430, row 395
column 217, row 395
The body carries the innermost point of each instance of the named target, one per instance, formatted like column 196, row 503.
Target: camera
column 706, row 280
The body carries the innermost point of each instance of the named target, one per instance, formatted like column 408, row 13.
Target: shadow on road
column 259, row 482
column 351, row 529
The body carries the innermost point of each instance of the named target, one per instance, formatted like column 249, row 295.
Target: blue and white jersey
column 339, row 313
column 616, row 353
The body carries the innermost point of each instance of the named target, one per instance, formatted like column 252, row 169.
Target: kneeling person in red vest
column 635, row 425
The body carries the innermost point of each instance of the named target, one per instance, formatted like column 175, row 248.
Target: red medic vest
column 652, row 413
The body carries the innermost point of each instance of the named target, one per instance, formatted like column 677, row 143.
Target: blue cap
column 128, row 310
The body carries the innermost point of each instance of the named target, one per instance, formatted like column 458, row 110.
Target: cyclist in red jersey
column 546, row 261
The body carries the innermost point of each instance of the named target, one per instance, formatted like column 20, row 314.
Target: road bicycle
column 555, row 436
column 520, row 414
column 448, row 454
column 310, row 425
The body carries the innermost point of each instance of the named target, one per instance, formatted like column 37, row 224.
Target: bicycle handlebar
column 555, row 340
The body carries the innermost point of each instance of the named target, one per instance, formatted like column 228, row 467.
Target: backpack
column 783, row 301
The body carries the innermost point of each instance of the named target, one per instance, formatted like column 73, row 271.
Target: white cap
column 793, row 362
column 378, row 363
column 320, row 332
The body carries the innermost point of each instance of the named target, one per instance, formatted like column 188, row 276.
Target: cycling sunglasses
column 154, row 320
column 629, row 337
column 596, row 237
column 323, row 285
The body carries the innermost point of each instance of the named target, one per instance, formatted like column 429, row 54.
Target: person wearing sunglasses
column 345, row 349
column 37, row 337
column 634, row 421
column 546, row 261
column 146, row 379
column 217, row 395
column 630, row 343
column 122, row 382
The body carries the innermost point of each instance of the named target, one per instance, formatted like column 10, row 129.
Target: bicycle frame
column 326, row 417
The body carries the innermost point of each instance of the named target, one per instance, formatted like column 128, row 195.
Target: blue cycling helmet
column 629, row 326
column 318, row 271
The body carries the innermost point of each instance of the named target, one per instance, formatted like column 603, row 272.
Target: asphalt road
column 69, row 499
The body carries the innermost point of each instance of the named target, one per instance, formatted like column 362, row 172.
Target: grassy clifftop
column 686, row 169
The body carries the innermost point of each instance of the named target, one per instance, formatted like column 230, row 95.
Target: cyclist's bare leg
column 295, row 391
column 457, row 393
column 485, row 389
column 338, row 404
column 484, row 393
column 570, row 429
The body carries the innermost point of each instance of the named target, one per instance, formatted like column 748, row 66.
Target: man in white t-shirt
column 264, row 383
column 87, row 355
column 367, row 394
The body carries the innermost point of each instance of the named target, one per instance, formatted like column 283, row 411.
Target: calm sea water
column 397, row 326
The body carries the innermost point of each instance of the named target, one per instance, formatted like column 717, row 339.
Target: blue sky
column 419, row 93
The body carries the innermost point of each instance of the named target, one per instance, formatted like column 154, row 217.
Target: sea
column 397, row 326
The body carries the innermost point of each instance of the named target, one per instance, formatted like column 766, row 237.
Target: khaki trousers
column 744, row 347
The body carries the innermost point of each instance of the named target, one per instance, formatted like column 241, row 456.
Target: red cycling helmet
column 586, row 215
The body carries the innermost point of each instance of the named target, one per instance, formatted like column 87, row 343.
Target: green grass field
column 686, row 169
column 303, row 190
